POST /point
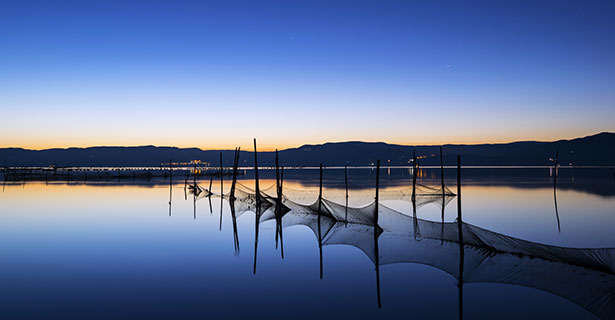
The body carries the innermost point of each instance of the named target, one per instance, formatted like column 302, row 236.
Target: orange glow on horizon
column 268, row 145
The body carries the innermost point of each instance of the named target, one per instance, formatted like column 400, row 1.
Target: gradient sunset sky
column 216, row 74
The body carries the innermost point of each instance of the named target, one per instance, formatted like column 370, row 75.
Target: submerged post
column 460, row 231
column 170, row 184
column 346, row 181
column 258, row 207
column 319, row 227
column 459, row 189
column 281, row 181
column 414, row 167
column 256, row 175
column 320, row 191
column 277, row 173
column 280, row 212
column 443, row 195
column 377, row 191
column 221, row 179
column 277, row 200
column 441, row 171
column 235, row 164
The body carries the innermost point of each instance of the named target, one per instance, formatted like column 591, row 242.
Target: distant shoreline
column 592, row 151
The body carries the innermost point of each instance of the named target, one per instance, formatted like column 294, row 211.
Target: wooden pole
column 319, row 227
column 258, row 206
column 221, row 207
column 414, row 173
column 443, row 195
column 346, row 182
column 460, row 231
column 281, row 180
column 377, row 191
column 459, row 189
column 277, row 190
column 441, row 171
column 256, row 175
column 320, row 191
column 559, row 229
column 280, row 210
column 376, row 233
column 277, row 173
column 235, row 164
column 221, row 179
column 170, row 185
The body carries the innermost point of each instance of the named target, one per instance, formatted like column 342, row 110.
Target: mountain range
column 595, row 150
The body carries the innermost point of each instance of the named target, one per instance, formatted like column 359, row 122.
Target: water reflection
column 485, row 248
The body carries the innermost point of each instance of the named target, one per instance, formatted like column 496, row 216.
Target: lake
column 153, row 249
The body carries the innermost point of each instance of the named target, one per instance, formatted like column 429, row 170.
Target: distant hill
column 596, row 150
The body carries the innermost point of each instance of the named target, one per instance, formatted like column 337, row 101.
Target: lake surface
column 152, row 249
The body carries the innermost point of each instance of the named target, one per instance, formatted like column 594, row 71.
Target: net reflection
column 468, row 253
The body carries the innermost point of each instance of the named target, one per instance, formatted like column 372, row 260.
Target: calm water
column 106, row 249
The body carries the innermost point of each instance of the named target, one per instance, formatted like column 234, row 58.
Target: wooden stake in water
column 280, row 197
column 320, row 191
column 256, row 175
column 377, row 190
column 460, row 231
column 441, row 171
column 414, row 173
column 235, row 164
column 221, row 179
column 559, row 229
column 346, row 181
column 443, row 195
column 258, row 207
column 319, row 227
column 277, row 202
column 170, row 184
column 377, row 233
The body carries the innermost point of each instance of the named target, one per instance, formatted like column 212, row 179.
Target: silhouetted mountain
column 598, row 149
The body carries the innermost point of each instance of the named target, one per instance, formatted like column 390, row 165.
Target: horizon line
column 296, row 147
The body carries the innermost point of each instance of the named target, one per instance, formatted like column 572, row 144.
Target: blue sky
column 217, row 74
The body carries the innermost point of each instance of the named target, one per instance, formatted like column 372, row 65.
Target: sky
column 217, row 74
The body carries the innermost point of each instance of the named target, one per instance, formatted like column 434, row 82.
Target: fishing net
column 386, row 236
